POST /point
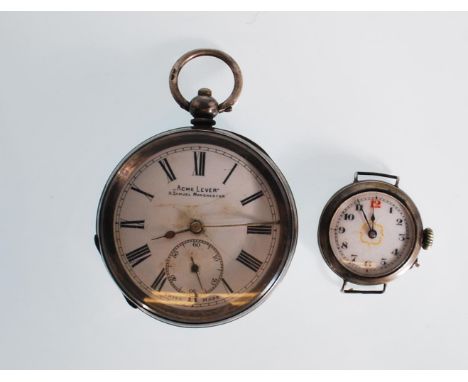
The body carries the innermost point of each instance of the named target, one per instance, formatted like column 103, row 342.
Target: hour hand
column 195, row 226
column 170, row 234
column 361, row 208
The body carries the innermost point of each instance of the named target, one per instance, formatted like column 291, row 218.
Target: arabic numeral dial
column 371, row 234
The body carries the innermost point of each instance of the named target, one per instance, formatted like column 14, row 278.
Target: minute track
column 260, row 202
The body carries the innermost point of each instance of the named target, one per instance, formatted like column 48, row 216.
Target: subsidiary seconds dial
column 195, row 267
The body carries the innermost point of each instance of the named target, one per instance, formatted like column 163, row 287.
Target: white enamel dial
column 196, row 227
column 372, row 234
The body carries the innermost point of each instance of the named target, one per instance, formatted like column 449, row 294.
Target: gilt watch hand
column 170, row 234
column 195, row 227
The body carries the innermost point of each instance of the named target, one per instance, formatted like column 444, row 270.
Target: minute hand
column 240, row 224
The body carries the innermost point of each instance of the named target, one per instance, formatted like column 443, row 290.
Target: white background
column 325, row 94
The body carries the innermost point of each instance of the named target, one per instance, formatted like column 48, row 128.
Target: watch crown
column 428, row 238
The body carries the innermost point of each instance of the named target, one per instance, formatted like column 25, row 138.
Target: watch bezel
column 247, row 150
column 333, row 204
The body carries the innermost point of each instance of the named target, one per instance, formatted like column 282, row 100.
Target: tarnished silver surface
column 204, row 108
column 224, row 106
column 343, row 194
column 263, row 164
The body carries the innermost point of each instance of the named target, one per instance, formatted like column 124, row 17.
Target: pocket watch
column 370, row 232
column 197, row 225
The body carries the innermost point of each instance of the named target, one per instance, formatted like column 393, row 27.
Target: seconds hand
column 195, row 269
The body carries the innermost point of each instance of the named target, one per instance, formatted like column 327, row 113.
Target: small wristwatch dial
column 372, row 234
